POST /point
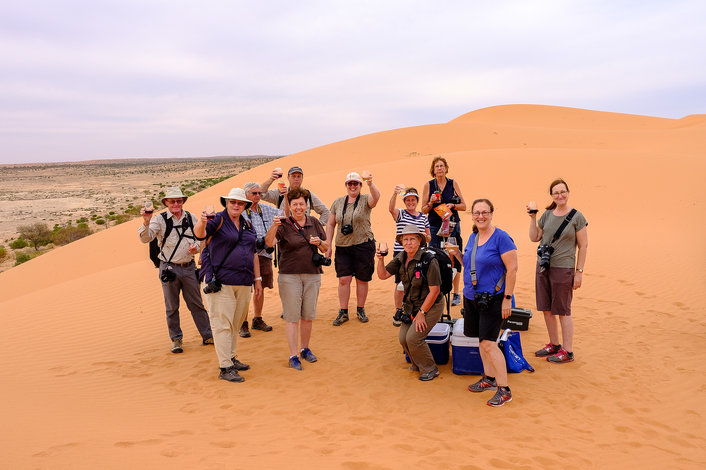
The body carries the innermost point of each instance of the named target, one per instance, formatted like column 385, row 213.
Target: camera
column 261, row 245
column 482, row 300
column 320, row 260
column 455, row 199
column 403, row 317
column 544, row 252
column 347, row 229
column 167, row 275
column 212, row 287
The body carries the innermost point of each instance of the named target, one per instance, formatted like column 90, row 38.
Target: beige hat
column 173, row 193
column 413, row 230
column 239, row 195
column 353, row 176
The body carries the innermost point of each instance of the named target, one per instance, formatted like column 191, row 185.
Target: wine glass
column 383, row 248
column 149, row 207
column 210, row 211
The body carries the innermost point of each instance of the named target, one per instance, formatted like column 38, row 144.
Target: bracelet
column 258, row 278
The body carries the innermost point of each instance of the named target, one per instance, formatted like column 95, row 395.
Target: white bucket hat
column 353, row 176
column 173, row 192
column 239, row 195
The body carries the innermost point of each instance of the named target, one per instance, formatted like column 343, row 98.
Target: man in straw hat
column 176, row 267
column 423, row 305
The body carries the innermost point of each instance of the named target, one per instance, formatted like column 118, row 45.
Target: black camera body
column 320, row 260
column 402, row 317
column 347, row 229
column 545, row 253
column 261, row 245
column 455, row 199
column 212, row 287
column 482, row 300
column 167, row 275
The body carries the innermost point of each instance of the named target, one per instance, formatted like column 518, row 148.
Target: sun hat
column 295, row 169
column 239, row 195
column 411, row 229
column 173, row 192
column 353, row 176
column 410, row 193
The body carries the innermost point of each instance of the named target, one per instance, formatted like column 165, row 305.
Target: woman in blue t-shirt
column 487, row 296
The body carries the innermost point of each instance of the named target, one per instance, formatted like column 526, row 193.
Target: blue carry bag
column 512, row 349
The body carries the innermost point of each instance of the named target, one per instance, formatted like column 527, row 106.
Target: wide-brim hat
column 411, row 229
column 239, row 195
column 353, row 176
column 173, row 193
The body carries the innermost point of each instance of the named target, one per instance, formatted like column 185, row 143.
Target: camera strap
column 474, row 277
column 345, row 206
column 182, row 234
column 300, row 229
column 563, row 225
column 232, row 247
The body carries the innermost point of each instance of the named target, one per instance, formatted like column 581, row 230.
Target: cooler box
column 465, row 355
column 438, row 341
column 518, row 320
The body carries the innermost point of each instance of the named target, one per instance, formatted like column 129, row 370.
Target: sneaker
column 239, row 365
column 176, row 346
column 294, row 363
column 483, row 384
column 456, row 300
column 501, row 397
column 259, row 324
column 230, row 374
column 361, row 315
column 244, row 331
column 341, row 318
column 207, row 341
column 429, row 375
column 397, row 322
column 307, row 355
column 562, row 356
column 548, row 350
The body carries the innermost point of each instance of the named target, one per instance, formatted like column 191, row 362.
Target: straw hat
column 353, row 176
column 239, row 195
column 173, row 193
column 411, row 229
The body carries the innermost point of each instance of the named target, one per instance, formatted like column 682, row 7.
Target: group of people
column 239, row 245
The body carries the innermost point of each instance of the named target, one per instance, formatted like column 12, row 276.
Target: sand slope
column 89, row 381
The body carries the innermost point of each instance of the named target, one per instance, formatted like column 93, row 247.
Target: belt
column 183, row 265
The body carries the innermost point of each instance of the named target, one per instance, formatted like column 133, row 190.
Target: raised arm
column 535, row 233
column 393, row 201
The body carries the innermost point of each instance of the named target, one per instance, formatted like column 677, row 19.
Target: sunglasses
column 256, row 193
column 352, row 183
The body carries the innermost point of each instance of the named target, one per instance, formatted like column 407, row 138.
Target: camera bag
column 510, row 345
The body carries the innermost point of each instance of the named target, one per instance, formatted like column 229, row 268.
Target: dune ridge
column 90, row 381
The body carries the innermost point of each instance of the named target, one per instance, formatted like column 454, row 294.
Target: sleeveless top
column 446, row 195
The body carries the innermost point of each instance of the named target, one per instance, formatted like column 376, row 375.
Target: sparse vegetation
column 18, row 244
column 3, row 253
column 38, row 234
column 22, row 257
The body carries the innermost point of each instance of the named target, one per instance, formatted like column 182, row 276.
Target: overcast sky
column 87, row 79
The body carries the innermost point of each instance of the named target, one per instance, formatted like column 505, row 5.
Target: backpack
column 155, row 247
column 445, row 266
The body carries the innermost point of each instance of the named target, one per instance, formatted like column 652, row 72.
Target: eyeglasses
column 236, row 202
column 256, row 193
column 478, row 214
column 560, row 193
column 352, row 183
column 175, row 201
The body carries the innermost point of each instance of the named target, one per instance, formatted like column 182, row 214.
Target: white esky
column 88, row 79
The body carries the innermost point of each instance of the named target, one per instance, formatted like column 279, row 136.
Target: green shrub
column 22, row 258
column 100, row 221
column 18, row 244
column 3, row 253
column 71, row 234
column 38, row 234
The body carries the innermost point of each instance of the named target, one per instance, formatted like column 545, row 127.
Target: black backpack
column 156, row 248
column 445, row 266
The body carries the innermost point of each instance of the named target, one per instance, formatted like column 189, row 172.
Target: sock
column 343, row 310
column 505, row 389
column 491, row 379
column 360, row 309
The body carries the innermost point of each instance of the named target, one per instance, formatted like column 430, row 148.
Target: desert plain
column 89, row 382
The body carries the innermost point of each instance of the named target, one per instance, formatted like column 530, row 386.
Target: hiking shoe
column 244, row 331
column 562, row 356
column 341, row 318
column 456, row 300
column 176, row 346
column 207, row 341
column 239, row 365
column 501, row 397
column 548, row 350
column 361, row 315
column 230, row 374
column 429, row 375
column 259, row 324
column 307, row 355
column 483, row 384
column 295, row 363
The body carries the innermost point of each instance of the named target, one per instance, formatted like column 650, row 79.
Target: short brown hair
column 487, row 201
column 296, row 193
column 438, row 159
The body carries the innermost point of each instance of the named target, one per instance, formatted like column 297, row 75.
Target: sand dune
column 89, row 381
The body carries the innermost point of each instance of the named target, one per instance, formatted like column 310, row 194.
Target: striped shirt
column 404, row 218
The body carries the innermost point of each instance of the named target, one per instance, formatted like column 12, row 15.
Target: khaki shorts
column 266, row 272
column 299, row 294
column 555, row 290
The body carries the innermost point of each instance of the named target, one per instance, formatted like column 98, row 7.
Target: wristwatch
column 579, row 270
column 508, row 296
column 258, row 278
